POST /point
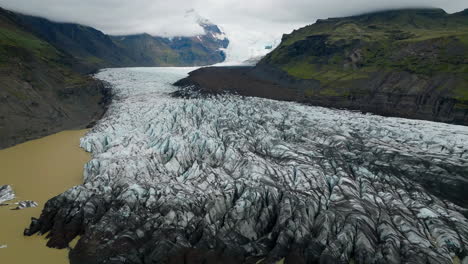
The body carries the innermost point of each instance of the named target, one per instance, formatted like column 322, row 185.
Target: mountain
column 98, row 50
column 147, row 50
column 88, row 45
column 409, row 63
column 43, row 66
column 43, row 90
column 404, row 62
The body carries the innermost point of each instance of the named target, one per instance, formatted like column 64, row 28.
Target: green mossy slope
column 343, row 52
column 41, row 89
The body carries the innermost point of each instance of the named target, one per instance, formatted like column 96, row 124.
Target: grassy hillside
column 43, row 67
column 341, row 52
column 17, row 46
column 91, row 47
column 403, row 63
column 96, row 50
column 41, row 90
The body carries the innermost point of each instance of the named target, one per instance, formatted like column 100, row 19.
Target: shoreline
column 38, row 170
column 84, row 107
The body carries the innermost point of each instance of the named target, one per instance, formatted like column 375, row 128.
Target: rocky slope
column 42, row 88
column 406, row 63
column 230, row 179
column 98, row 50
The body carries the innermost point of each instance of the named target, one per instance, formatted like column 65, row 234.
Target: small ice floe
column 24, row 205
column 6, row 194
column 3, row 246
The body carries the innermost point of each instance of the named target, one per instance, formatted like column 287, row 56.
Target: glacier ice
column 251, row 178
column 6, row 193
column 24, row 204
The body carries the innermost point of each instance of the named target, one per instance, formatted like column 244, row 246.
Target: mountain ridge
column 407, row 63
column 43, row 88
column 99, row 50
column 44, row 67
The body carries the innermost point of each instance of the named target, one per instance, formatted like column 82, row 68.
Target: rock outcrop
column 231, row 179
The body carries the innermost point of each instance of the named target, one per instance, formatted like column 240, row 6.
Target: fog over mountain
column 159, row 17
column 262, row 21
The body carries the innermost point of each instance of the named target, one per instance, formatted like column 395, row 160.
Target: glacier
column 231, row 179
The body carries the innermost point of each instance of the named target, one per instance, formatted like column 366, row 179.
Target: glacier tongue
column 229, row 178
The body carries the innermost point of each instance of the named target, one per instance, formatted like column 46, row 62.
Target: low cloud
column 166, row 18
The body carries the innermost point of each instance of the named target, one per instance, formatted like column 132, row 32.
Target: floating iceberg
column 6, row 193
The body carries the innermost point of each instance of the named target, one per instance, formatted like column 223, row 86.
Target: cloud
column 166, row 17
column 247, row 22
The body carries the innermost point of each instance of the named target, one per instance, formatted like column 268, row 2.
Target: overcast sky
column 250, row 24
column 166, row 17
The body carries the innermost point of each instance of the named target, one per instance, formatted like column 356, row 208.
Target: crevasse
column 253, row 177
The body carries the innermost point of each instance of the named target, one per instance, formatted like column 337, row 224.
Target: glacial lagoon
column 37, row 170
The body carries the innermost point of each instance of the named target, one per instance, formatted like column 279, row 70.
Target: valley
column 345, row 142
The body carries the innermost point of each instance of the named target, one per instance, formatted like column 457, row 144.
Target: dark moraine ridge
column 429, row 103
column 403, row 63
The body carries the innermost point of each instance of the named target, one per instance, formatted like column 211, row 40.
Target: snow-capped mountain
column 203, row 49
column 213, row 39
column 209, row 27
column 98, row 50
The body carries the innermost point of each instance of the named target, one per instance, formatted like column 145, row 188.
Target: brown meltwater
column 37, row 170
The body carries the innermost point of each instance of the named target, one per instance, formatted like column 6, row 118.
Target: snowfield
column 251, row 178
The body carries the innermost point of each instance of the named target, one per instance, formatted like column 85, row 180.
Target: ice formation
column 250, row 178
column 24, row 204
column 6, row 193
